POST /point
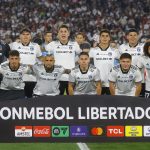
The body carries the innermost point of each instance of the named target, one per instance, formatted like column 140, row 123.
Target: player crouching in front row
column 84, row 78
column 125, row 79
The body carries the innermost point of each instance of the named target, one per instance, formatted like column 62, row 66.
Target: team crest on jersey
column 90, row 76
column 126, row 50
column 78, row 78
column 58, row 46
column 97, row 54
column 130, row 76
column 138, row 49
column 110, row 54
column 42, row 73
column 147, row 66
column 19, row 47
column 31, row 48
column 55, row 74
column 118, row 77
column 70, row 52
column 70, row 47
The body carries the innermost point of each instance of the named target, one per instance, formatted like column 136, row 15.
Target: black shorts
column 11, row 94
column 147, row 94
column 105, row 91
column 28, row 89
column 63, row 87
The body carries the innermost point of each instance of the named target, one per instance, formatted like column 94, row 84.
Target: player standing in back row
column 104, row 58
column 29, row 52
column 65, row 52
column 135, row 49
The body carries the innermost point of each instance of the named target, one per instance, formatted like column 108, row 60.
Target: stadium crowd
column 81, row 15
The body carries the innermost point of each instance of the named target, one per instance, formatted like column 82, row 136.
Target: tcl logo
column 115, row 131
column 41, row 131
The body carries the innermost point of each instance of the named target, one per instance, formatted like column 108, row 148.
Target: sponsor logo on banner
column 115, row 131
column 146, row 131
column 133, row 131
column 41, row 131
column 96, row 131
column 78, row 131
column 60, row 131
column 23, row 131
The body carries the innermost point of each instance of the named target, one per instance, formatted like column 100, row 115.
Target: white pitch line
column 83, row 146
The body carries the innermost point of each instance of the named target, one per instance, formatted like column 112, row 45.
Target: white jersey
column 144, row 62
column 28, row 55
column 47, row 82
column 125, row 82
column 104, row 60
column 12, row 80
column 64, row 55
column 135, row 52
column 85, row 83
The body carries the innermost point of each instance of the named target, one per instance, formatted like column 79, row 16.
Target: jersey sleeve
column 140, row 63
column 38, row 51
column 138, row 76
column 77, row 49
column 91, row 53
column 112, row 76
column 62, row 69
column 97, row 75
column 50, row 48
column 72, row 76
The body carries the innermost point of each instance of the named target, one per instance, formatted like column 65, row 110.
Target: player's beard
column 14, row 66
column 49, row 68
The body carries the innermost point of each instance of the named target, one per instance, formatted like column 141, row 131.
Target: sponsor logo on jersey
column 115, row 131
column 60, row 131
column 110, row 54
column 130, row 76
column 146, row 131
column 41, row 131
column 23, row 131
column 78, row 131
column 133, row 131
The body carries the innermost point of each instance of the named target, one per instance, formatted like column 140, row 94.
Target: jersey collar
column 64, row 44
column 85, row 71
column 26, row 44
column 134, row 45
column 102, row 49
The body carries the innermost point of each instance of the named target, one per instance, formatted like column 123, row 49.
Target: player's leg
column 63, row 87
column 28, row 89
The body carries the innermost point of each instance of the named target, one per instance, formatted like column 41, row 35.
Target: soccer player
column 104, row 58
column 48, row 76
column 144, row 62
column 135, row 49
column 65, row 52
column 80, row 38
column 125, row 79
column 29, row 52
column 85, row 78
column 12, row 86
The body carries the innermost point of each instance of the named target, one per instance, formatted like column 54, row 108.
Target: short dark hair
column 105, row 31
column 126, row 55
column 81, row 33
column 145, row 49
column 47, row 32
column 64, row 26
column 25, row 30
column 131, row 30
column 83, row 53
column 14, row 53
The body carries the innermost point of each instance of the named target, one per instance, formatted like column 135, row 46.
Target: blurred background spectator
column 86, row 16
